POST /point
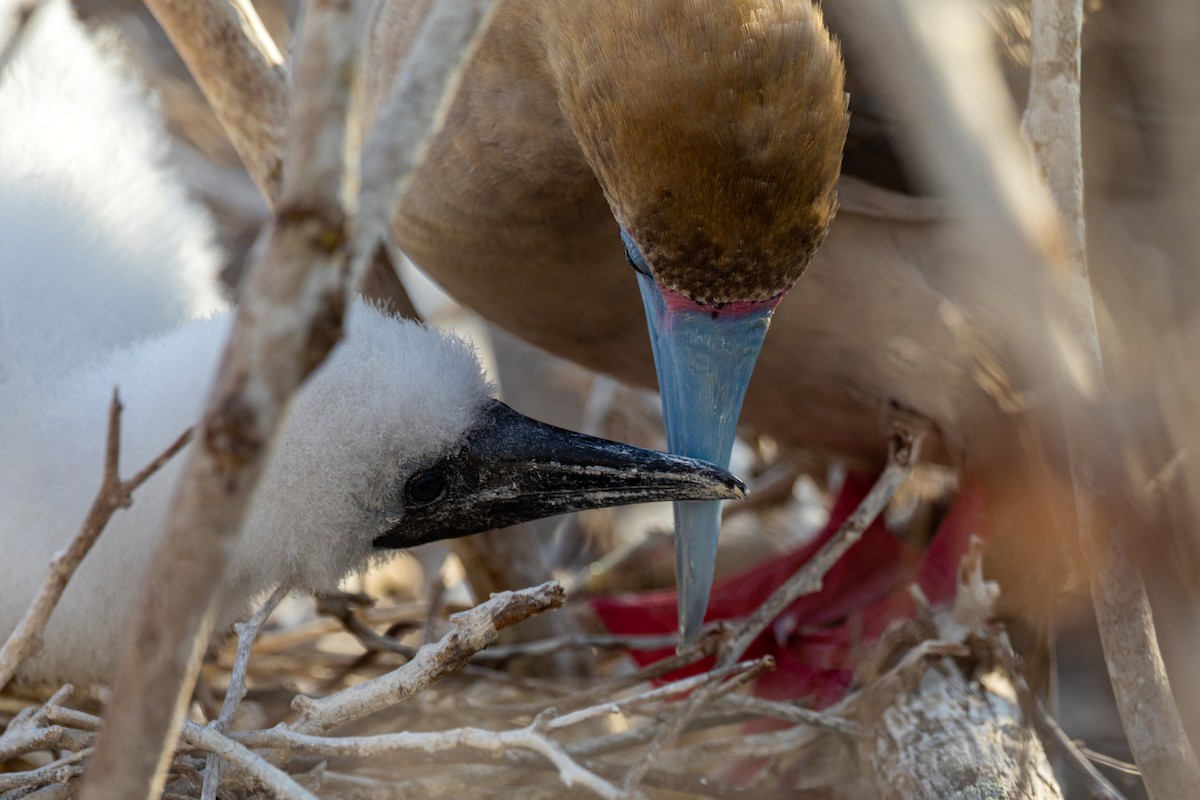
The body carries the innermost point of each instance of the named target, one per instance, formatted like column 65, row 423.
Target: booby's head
column 396, row 441
column 716, row 129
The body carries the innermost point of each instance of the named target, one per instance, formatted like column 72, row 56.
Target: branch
column 953, row 102
column 247, row 632
column 1135, row 666
column 954, row 736
column 290, row 317
column 743, row 670
column 414, row 113
column 908, row 433
column 904, row 450
column 240, row 71
column 532, row 738
column 1098, row 787
column 278, row 782
column 26, row 638
column 474, row 630
column 60, row 771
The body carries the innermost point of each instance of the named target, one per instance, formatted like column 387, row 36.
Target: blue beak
column 704, row 357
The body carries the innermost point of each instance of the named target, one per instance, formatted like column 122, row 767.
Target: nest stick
column 290, row 317
column 114, row 493
column 904, row 450
column 247, row 632
column 241, row 73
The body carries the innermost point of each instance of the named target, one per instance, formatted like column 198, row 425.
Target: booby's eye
column 634, row 256
column 426, row 487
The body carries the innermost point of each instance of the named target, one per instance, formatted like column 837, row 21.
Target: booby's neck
column 715, row 128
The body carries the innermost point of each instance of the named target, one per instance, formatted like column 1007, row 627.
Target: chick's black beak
column 512, row 469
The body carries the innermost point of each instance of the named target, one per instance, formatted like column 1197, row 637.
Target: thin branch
column 1152, row 723
column 789, row 712
column 1108, row 761
column 532, row 738
column 290, row 316
column 473, row 630
column 904, row 450
column 240, row 71
column 679, row 721
column 414, row 113
column 275, row 780
column 52, row 737
column 247, row 632
column 673, row 689
column 553, row 644
column 60, row 771
column 26, row 638
column 704, row 647
column 1098, row 787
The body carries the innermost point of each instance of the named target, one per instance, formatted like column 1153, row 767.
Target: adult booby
column 697, row 141
column 394, row 442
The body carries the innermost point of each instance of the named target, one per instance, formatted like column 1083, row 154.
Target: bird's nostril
column 426, row 487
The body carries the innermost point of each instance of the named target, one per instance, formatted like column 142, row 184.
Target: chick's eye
column 426, row 487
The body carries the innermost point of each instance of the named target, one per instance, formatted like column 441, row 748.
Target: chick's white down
column 106, row 271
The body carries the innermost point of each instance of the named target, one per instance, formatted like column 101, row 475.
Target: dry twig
column 114, row 493
column 247, row 632
column 290, row 317
column 279, row 783
column 1152, row 723
column 473, row 631
column 935, row 725
column 954, row 105
column 1099, row 787
column 241, row 72
column 904, row 450
column 415, row 111
column 532, row 737
column 23, row 16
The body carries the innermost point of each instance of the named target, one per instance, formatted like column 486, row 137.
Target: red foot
column 816, row 640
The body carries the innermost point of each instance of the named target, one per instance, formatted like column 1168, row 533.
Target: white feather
column 105, row 267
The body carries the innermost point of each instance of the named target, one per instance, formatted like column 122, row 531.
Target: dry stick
column 473, row 631
column 51, row 737
column 707, row 645
column 1107, row 761
column 1098, row 787
column 908, row 434
column 532, row 737
column 951, row 96
column 293, row 304
column 904, row 450
column 1135, row 667
column 376, row 643
column 247, row 632
column 26, row 638
column 742, row 670
column 553, row 644
column 416, row 109
column 60, row 771
column 23, row 16
column 790, row 712
column 240, row 71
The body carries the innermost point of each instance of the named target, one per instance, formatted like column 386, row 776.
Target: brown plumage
column 509, row 215
column 710, row 128
column 715, row 130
